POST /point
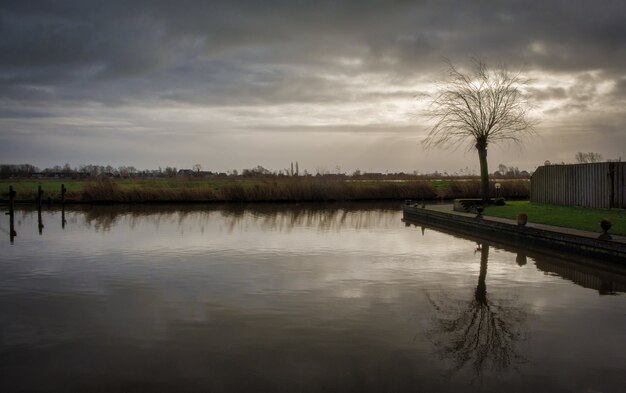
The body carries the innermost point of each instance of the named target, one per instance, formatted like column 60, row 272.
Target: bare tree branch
column 479, row 107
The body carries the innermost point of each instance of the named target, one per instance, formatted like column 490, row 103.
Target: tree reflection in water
column 482, row 333
column 283, row 217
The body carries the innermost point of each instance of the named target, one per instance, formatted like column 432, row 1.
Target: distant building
column 60, row 175
column 192, row 173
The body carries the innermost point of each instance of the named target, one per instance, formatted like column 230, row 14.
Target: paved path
column 447, row 208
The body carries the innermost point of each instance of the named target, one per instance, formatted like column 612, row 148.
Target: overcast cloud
column 234, row 84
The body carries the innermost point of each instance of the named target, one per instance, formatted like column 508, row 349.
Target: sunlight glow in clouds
column 323, row 83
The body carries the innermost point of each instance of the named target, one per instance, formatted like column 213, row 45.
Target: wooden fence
column 590, row 185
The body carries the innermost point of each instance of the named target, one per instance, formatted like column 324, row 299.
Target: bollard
column 479, row 211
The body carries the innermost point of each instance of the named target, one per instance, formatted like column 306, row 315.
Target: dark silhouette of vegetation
column 590, row 157
column 260, row 190
column 19, row 170
column 254, row 189
column 26, row 171
column 483, row 106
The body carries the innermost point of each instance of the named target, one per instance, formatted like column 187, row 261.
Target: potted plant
column 522, row 219
column 605, row 224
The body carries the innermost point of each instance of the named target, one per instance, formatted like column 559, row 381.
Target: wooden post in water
column 11, row 214
column 11, row 200
column 39, row 196
column 39, row 220
column 12, row 232
column 63, row 191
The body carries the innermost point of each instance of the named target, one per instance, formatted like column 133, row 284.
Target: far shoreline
column 263, row 190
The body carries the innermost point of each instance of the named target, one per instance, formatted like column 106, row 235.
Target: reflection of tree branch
column 482, row 333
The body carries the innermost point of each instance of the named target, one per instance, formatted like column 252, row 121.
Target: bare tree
column 594, row 157
column 584, row 158
column 482, row 106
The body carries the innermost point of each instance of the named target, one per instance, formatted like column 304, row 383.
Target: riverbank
column 271, row 189
column 582, row 218
column 557, row 239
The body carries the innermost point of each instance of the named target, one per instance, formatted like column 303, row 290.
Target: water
column 295, row 298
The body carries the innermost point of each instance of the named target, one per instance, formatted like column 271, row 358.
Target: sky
column 333, row 85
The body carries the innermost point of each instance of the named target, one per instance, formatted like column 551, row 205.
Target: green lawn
column 565, row 216
column 27, row 188
column 440, row 184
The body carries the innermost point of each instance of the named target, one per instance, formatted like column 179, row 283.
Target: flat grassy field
column 564, row 216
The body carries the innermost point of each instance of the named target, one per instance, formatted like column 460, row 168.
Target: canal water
column 302, row 298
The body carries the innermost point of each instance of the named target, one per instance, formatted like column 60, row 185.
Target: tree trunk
column 484, row 173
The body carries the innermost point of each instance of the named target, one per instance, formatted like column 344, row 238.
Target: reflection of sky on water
column 289, row 296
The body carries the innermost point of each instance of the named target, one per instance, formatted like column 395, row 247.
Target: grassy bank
column 270, row 189
column 564, row 216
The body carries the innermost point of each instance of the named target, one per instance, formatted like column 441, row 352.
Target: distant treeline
column 9, row 171
column 66, row 171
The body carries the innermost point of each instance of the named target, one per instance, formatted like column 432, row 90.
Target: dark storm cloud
column 94, row 67
column 244, row 49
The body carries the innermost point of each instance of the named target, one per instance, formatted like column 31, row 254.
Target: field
column 564, row 216
column 252, row 189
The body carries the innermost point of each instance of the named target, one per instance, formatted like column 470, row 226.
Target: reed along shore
column 265, row 189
